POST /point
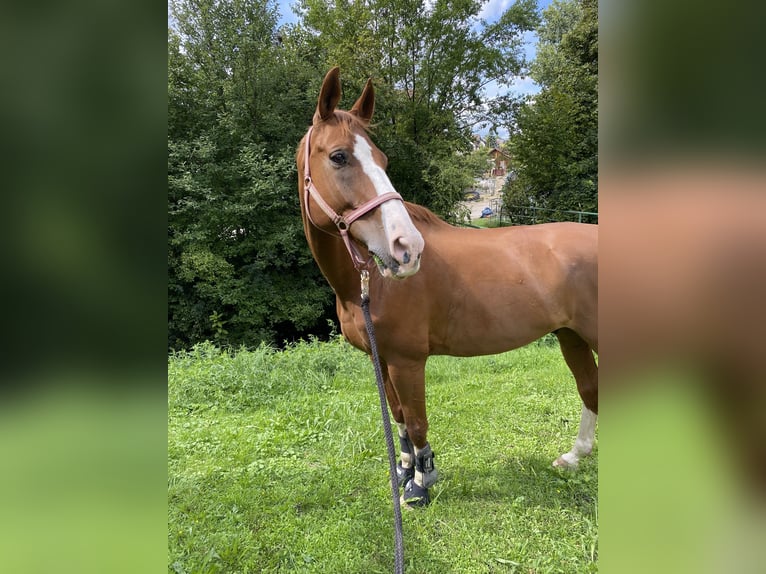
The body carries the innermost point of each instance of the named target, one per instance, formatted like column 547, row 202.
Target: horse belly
column 473, row 345
column 488, row 330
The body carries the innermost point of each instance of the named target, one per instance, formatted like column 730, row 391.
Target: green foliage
column 276, row 462
column 555, row 140
column 431, row 62
column 238, row 102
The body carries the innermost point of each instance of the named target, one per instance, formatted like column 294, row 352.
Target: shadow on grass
column 525, row 480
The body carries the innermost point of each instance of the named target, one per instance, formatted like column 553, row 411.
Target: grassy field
column 277, row 463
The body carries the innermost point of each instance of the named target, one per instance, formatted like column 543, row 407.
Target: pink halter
column 342, row 222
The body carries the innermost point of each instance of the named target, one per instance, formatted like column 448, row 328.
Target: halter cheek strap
column 342, row 222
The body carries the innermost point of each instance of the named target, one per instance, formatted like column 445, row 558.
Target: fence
column 529, row 215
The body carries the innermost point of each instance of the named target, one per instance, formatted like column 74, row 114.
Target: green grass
column 490, row 222
column 277, row 463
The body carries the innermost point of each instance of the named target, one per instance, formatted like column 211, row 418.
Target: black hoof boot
column 404, row 474
column 414, row 495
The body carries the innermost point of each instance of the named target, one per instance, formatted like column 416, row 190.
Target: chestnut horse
column 467, row 291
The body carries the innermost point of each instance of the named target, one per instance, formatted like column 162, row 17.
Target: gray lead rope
column 398, row 539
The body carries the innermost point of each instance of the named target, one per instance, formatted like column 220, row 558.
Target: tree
column 239, row 268
column 432, row 62
column 555, row 138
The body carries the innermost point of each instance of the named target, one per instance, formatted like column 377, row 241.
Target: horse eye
column 338, row 157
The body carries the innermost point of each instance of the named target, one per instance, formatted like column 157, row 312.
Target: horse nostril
column 400, row 250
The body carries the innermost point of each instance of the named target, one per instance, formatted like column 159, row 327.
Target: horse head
column 346, row 186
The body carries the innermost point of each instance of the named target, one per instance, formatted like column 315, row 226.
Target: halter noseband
column 342, row 222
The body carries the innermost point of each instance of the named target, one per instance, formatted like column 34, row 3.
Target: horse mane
column 423, row 215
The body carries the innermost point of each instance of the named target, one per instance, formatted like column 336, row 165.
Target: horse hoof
column 415, row 495
column 564, row 463
column 404, row 474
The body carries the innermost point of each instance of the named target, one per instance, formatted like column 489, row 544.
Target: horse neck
column 328, row 249
column 334, row 261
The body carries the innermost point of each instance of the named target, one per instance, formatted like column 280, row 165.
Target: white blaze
column 400, row 241
column 395, row 217
column 363, row 154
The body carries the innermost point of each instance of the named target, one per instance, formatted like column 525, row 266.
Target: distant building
column 501, row 161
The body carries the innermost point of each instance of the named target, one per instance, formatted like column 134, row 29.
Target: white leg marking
column 583, row 444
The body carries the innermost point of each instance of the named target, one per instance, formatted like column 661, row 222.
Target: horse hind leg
column 583, row 444
column 579, row 357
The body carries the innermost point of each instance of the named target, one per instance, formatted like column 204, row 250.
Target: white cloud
column 525, row 85
column 492, row 10
column 521, row 85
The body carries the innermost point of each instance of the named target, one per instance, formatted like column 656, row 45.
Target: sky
column 490, row 12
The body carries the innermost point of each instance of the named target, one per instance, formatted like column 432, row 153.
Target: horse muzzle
column 403, row 257
column 392, row 269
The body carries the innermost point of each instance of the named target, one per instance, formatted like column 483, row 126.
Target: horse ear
column 365, row 105
column 329, row 95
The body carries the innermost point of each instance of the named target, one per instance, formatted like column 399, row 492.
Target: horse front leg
column 405, row 468
column 408, row 381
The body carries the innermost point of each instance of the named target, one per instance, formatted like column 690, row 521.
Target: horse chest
column 352, row 325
